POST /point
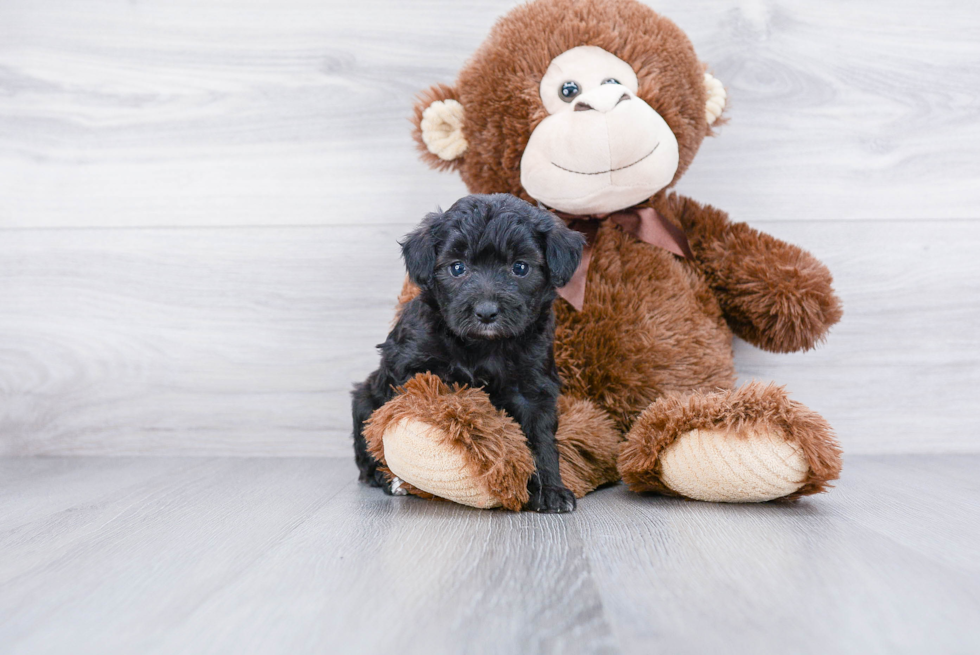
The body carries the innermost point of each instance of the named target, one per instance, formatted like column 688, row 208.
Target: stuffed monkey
column 594, row 109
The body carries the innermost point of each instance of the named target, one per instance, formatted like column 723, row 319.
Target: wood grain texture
column 899, row 372
column 214, row 341
column 876, row 565
column 265, row 555
column 206, row 112
column 246, row 341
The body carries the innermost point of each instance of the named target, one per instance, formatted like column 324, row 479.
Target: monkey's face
column 601, row 147
column 588, row 106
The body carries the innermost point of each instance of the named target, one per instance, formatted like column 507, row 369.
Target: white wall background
column 200, row 201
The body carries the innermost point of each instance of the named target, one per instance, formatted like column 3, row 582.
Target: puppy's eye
column 520, row 269
column 610, row 80
column 569, row 90
column 457, row 268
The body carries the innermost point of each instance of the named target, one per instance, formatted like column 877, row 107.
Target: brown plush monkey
column 594, row 109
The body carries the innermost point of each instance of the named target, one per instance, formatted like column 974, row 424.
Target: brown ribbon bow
column 644, row 223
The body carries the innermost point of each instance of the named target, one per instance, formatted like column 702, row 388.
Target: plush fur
column 773, row 294
column 487, row 269
column 588, row 445
column 656, row 330
column 650, row 326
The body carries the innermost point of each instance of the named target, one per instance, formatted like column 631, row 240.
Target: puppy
column 488, row 269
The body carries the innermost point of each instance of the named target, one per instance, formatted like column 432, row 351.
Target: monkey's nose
column 486, row 311
column 601, row 99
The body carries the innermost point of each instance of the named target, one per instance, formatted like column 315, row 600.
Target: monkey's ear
column 438, row 129
column 419, row 252
column 716, row 98
column 563, row 250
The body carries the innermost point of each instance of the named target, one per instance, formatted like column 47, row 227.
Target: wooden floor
column 291, row 555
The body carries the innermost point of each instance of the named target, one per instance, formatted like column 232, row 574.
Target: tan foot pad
column 751, row 468
column 416, row 452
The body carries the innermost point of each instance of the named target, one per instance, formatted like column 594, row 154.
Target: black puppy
column 488, row 269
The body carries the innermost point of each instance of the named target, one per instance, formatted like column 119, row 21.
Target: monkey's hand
column 774, row 295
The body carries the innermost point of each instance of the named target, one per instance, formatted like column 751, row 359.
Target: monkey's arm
column 774, row 295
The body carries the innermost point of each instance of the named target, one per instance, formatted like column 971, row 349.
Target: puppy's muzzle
column 486, row 311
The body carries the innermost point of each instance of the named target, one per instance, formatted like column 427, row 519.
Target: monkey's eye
column 569, row 90
column 457, row 268
column 520, row 269
column 610, row 80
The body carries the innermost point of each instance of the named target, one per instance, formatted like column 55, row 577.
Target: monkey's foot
column 454, row 444
column 747, row 445
column 451, row 443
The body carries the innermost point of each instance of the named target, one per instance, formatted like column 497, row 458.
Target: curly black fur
column 489, row 325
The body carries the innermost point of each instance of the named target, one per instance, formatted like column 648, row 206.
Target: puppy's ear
column 563, row 248
column 419, row 251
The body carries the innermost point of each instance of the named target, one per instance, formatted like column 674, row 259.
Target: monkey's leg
column 746, row 445
column 456, row 445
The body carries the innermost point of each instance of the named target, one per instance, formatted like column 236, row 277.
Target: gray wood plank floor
column 259, row 555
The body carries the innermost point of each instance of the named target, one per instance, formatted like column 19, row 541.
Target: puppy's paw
column 375, row 478
column 551, row 500
column 396, row 487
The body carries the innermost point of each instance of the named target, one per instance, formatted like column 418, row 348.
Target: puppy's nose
column 486, row 311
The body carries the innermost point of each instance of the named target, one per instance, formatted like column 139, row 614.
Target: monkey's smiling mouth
column 611, row 170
